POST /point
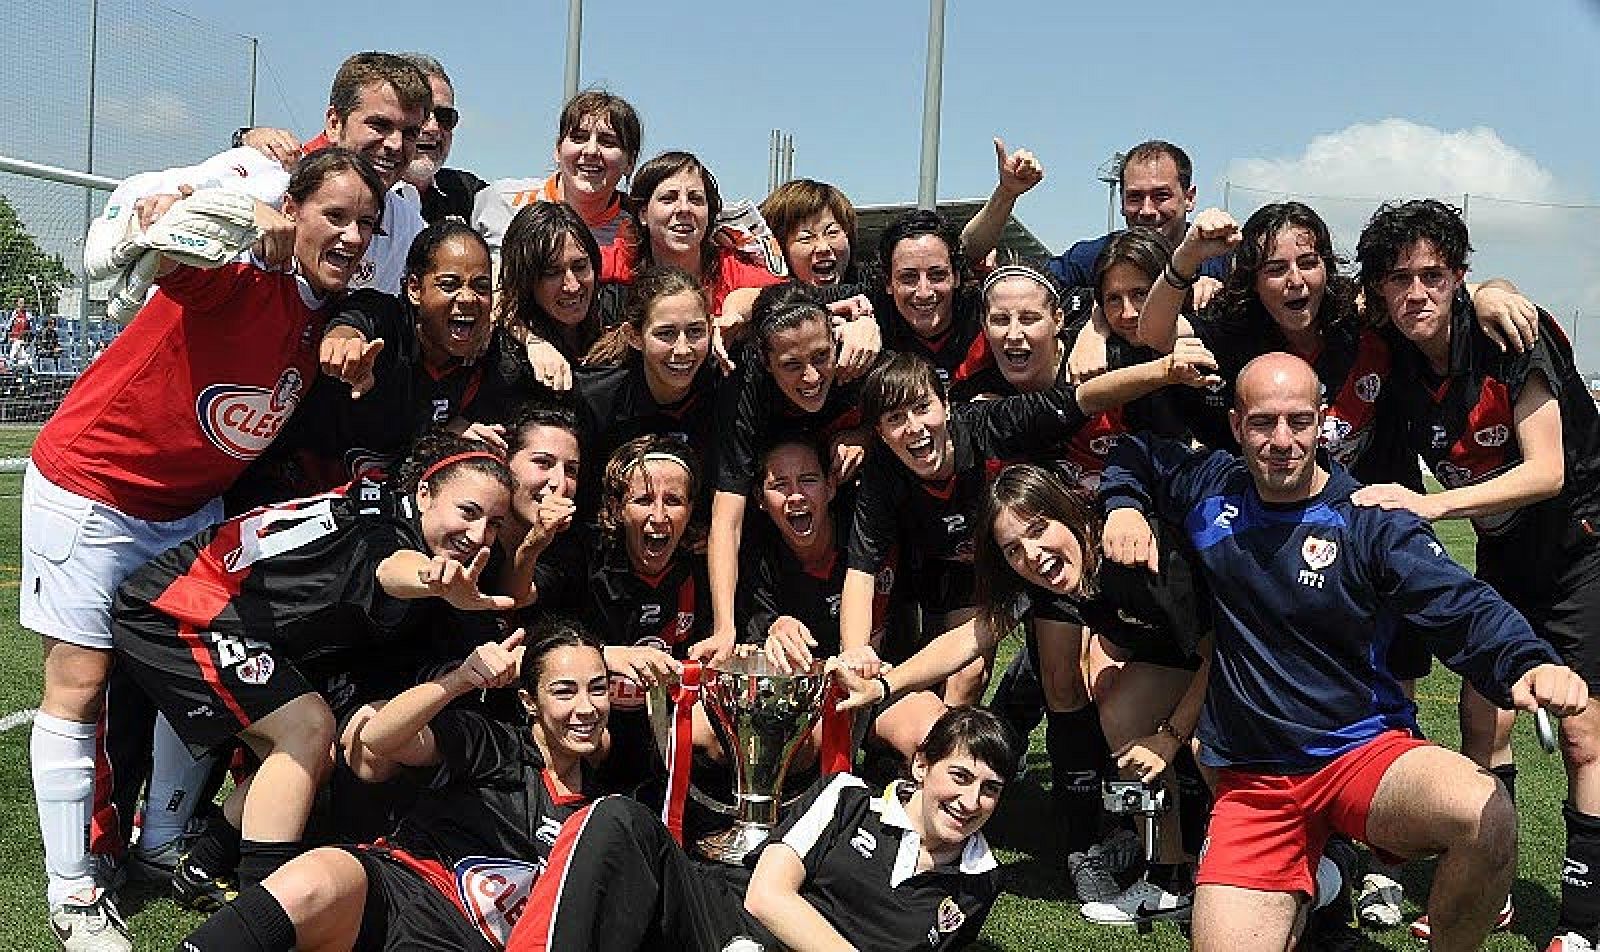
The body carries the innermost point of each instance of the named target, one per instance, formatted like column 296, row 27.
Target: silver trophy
column 761, row 716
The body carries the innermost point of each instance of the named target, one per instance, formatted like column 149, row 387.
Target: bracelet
column 883, row 682
column 1165, row 727
column 1172, row 277
column 238, row 136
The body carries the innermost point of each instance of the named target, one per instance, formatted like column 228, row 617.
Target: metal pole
column 788, row 157
column 1227, row 196
column 255, row 49
column 574, row 47
column 1466, row 198
column 88, row 196
column 932, row 93
column 1111, row 207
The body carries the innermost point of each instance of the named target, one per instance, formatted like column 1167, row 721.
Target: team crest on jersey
column 1335, row 430
column 1319, row 553
column 950, row 915
column 1451, row 475
column 1491, row 436
column 364, row 271
column 256, row 669
column 1103, row 445
column 885, row 581
column 684, row 623
column 1368, row 388
column 240, row 420
column 494, row 892
column 365, row 466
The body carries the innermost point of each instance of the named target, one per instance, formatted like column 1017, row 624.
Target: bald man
column 1309, row 731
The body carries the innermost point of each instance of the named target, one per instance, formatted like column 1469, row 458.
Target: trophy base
column 732, row 845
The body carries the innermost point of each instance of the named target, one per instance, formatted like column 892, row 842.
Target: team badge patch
column 1368, row 388
column 885, row 581
column 1319, row 553
column 242, row 421
column 494, row 892
column 684, row 623
column 256, row 669
column 1103, row 445
column 950, row 915
column 1497, row 435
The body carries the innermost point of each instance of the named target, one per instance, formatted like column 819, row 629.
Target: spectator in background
column 21, row 335
column 446, row 193
column 49, row 346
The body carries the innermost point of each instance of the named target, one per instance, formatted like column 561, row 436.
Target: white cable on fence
column 13, row 464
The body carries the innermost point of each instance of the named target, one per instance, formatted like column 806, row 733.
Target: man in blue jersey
column 1310, row 732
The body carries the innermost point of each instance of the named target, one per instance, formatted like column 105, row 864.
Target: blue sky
column 1375, row 99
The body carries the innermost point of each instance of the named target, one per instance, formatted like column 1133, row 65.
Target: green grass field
column 1033, row 916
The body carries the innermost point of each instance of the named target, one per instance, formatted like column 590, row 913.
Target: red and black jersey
column 623, row 608
column 1463, row 426
column 752, row 412
column 958, row 353
column 615, row 405
column 482, row 834
column 300, row 577
column 334, row 439
column 774, row 582
column 934, row 521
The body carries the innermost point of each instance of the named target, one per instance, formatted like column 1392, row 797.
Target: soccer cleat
column 1094, row 871
column 157, row 865
column 89, row 922
column 1502, row 922
column 1144, row 901
column 1378, row 902
column 197, row 888
column 1570, row 942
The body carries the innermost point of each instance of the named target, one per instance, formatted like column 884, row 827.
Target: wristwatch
column 238, row 136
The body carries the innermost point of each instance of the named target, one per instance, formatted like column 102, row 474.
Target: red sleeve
column 735, row 273
column 206, row 289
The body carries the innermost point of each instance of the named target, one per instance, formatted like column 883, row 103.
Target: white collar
column 976, row 856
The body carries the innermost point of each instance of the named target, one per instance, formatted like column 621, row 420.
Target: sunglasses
column 446, row 117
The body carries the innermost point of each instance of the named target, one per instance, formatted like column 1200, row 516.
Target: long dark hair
column 1029, row 492
column 531, row 246
column 548, row 634
column 1240, row 303
column 440, row 444
column 655, row 283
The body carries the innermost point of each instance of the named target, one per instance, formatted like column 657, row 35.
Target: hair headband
column 1021, row 271
column 433, row 470
column 657, row 456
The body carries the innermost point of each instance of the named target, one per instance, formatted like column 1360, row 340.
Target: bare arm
column 773, row 897
column 399, row 731
column 1188, row 363
column 722, row 562
column 1018, row 172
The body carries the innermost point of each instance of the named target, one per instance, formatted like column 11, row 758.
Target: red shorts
column 1268, row 830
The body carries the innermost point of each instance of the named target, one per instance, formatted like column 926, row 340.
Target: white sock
column 176, row 778
column 62, row 752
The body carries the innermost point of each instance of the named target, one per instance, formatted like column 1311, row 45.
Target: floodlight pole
column 574, row 47
column 1110, row 172
column 932, row 93
column 88, row 165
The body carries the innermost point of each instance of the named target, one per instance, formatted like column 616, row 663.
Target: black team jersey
column 751, row 411
column 482, row 833
column 615, row 405
column 1363, row 431
column 934, row 521
column 774, row 582
column 860, row 857
column 956, row 354
column 336, row 439
column 1307, row 598
column 1463, row 426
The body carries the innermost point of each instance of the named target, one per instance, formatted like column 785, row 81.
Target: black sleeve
column 1045, row 605
column 1016, row 426
column 875, row 525
column 742, row 416
column 1545, row 357
column 473, row 748
column 756, row 602
column 506, row 382
column 815, row 824
column 375, row 314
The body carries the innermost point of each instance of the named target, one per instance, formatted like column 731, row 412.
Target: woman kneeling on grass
column 907, row 870
column 457, row 871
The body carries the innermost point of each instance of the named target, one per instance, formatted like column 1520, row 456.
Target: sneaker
column 1502, row 922
column 197, row 888
column 1378, row 901
column 89, row 922
column 1144, row 901
column 1121, row 850
column 1570, row 942
column 1092, row 880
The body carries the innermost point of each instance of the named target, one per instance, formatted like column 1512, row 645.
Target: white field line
column 17, row 719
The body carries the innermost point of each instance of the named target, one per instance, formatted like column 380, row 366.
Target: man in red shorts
column 1308, row 728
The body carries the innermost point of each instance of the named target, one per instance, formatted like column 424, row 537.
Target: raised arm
column 1017, row 171
column 1212, row 233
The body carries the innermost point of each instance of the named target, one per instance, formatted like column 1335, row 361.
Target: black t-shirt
column 935, row 521
column 1464, row 427
column 615, row 405
column 860, row 857
column 956, row 354
column 451, row 196
column 752, row 412
column 483, row 832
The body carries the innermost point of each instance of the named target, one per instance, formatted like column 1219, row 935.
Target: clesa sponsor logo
column 241, row 420
column 1497, row 435
column 494, row 893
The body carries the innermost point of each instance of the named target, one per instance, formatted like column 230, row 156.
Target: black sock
column 253, row 922
column 1507, row 775
column 1077, row 750
column 1169, row 876
column 257, row 861
column 1019, row 698
column 1580, row 900
column 217, row 849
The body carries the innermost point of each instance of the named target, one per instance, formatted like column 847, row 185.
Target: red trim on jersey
column 937, row 491
column 534, row 931
column 208, row 671
column 556, row 797
column 978, row 357
column 673, row 631
column 1488, row 436
column 430, row 871
column 826, row 569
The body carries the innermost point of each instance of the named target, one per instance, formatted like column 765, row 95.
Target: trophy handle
column 661, row 706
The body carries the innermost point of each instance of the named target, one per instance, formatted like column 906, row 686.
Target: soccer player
column 1514, row 438
column 152, row 433
column 224, row 631
column 906, row 870
column 1310, row 732
column 457, row 870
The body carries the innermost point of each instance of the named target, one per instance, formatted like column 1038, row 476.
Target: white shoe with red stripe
column 1502, row 922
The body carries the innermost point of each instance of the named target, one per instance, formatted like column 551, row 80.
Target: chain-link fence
column 107, row 87
column 1551, row 251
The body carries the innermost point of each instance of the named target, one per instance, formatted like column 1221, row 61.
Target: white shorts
column 76, row 552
